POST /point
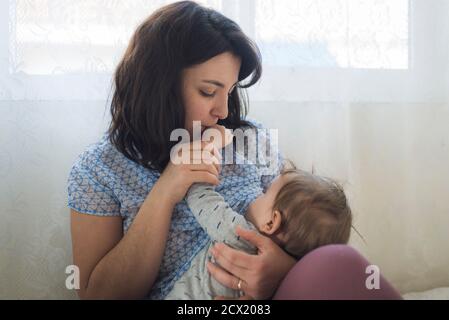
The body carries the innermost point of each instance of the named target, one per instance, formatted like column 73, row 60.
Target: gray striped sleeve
column 216, row 217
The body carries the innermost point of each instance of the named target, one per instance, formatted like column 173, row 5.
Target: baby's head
column 302, row 211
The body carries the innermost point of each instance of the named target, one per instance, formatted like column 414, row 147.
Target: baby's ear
column 274, row 223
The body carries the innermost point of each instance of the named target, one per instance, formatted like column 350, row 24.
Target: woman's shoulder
column 103, row 181
column 99, row 154
column 253, row 123
column 265, row 144
column 103, row 162
column 257, row 132
column 103, row 154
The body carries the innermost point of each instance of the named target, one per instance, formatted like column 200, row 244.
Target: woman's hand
column 260, row 274
column 218, row 135
column 202, row 165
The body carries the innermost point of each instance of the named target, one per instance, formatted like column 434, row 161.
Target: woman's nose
column 221, row 109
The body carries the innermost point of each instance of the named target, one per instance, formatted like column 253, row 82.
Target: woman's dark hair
column 147, row 102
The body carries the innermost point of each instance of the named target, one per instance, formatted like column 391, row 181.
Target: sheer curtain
column 358, row 90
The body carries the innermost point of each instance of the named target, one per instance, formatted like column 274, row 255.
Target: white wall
column 393, row 161
column 39, row 143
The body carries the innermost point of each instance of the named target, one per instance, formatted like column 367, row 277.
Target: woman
column 133, row 234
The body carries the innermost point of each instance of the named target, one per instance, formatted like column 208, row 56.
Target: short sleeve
column 88, row 193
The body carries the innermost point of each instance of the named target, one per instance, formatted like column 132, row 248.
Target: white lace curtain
column 317, row 49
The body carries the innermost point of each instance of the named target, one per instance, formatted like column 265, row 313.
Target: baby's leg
column 333, row 272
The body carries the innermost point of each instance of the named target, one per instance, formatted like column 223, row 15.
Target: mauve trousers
column 336, row 272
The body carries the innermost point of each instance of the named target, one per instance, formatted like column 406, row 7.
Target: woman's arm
column 261, row 274
column 113, row 266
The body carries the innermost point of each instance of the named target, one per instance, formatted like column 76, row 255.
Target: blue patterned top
column 104, row 182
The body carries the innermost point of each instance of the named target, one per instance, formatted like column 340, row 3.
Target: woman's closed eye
column 208, row 95
column 212, row 94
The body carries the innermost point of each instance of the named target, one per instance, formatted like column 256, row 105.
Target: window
column 313, row 50
column 322, row 33
column 65, row 36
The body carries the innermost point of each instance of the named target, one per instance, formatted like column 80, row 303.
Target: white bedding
column 434, row 294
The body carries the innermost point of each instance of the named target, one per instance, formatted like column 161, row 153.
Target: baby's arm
column 216, row 217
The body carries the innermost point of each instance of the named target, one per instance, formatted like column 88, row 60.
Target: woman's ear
column 273, row 224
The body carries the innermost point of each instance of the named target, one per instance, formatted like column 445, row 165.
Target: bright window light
column 86, row 36
column 334, row 33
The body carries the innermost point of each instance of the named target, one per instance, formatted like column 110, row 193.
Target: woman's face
column 206, row 87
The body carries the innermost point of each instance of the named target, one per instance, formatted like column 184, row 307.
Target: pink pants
column 336, row 272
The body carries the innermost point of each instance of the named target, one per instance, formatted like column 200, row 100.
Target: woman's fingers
column 198, row 148
column 203, row 162
column 207, row 155
column 229, row 265
column 206, row 168
column 204, row 177
column 259, row 275
column 209, row 159
column 212, row 148
column 223, row 277
column 215, row 156
column 240, row 261
column 253, row 237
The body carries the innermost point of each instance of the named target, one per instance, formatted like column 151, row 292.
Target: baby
column 299, row 211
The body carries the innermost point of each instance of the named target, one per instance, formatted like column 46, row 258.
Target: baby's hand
column 218, row 135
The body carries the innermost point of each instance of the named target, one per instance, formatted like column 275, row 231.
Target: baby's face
column 261, row 208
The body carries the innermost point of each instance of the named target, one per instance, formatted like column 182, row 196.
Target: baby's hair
column 314, row 209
